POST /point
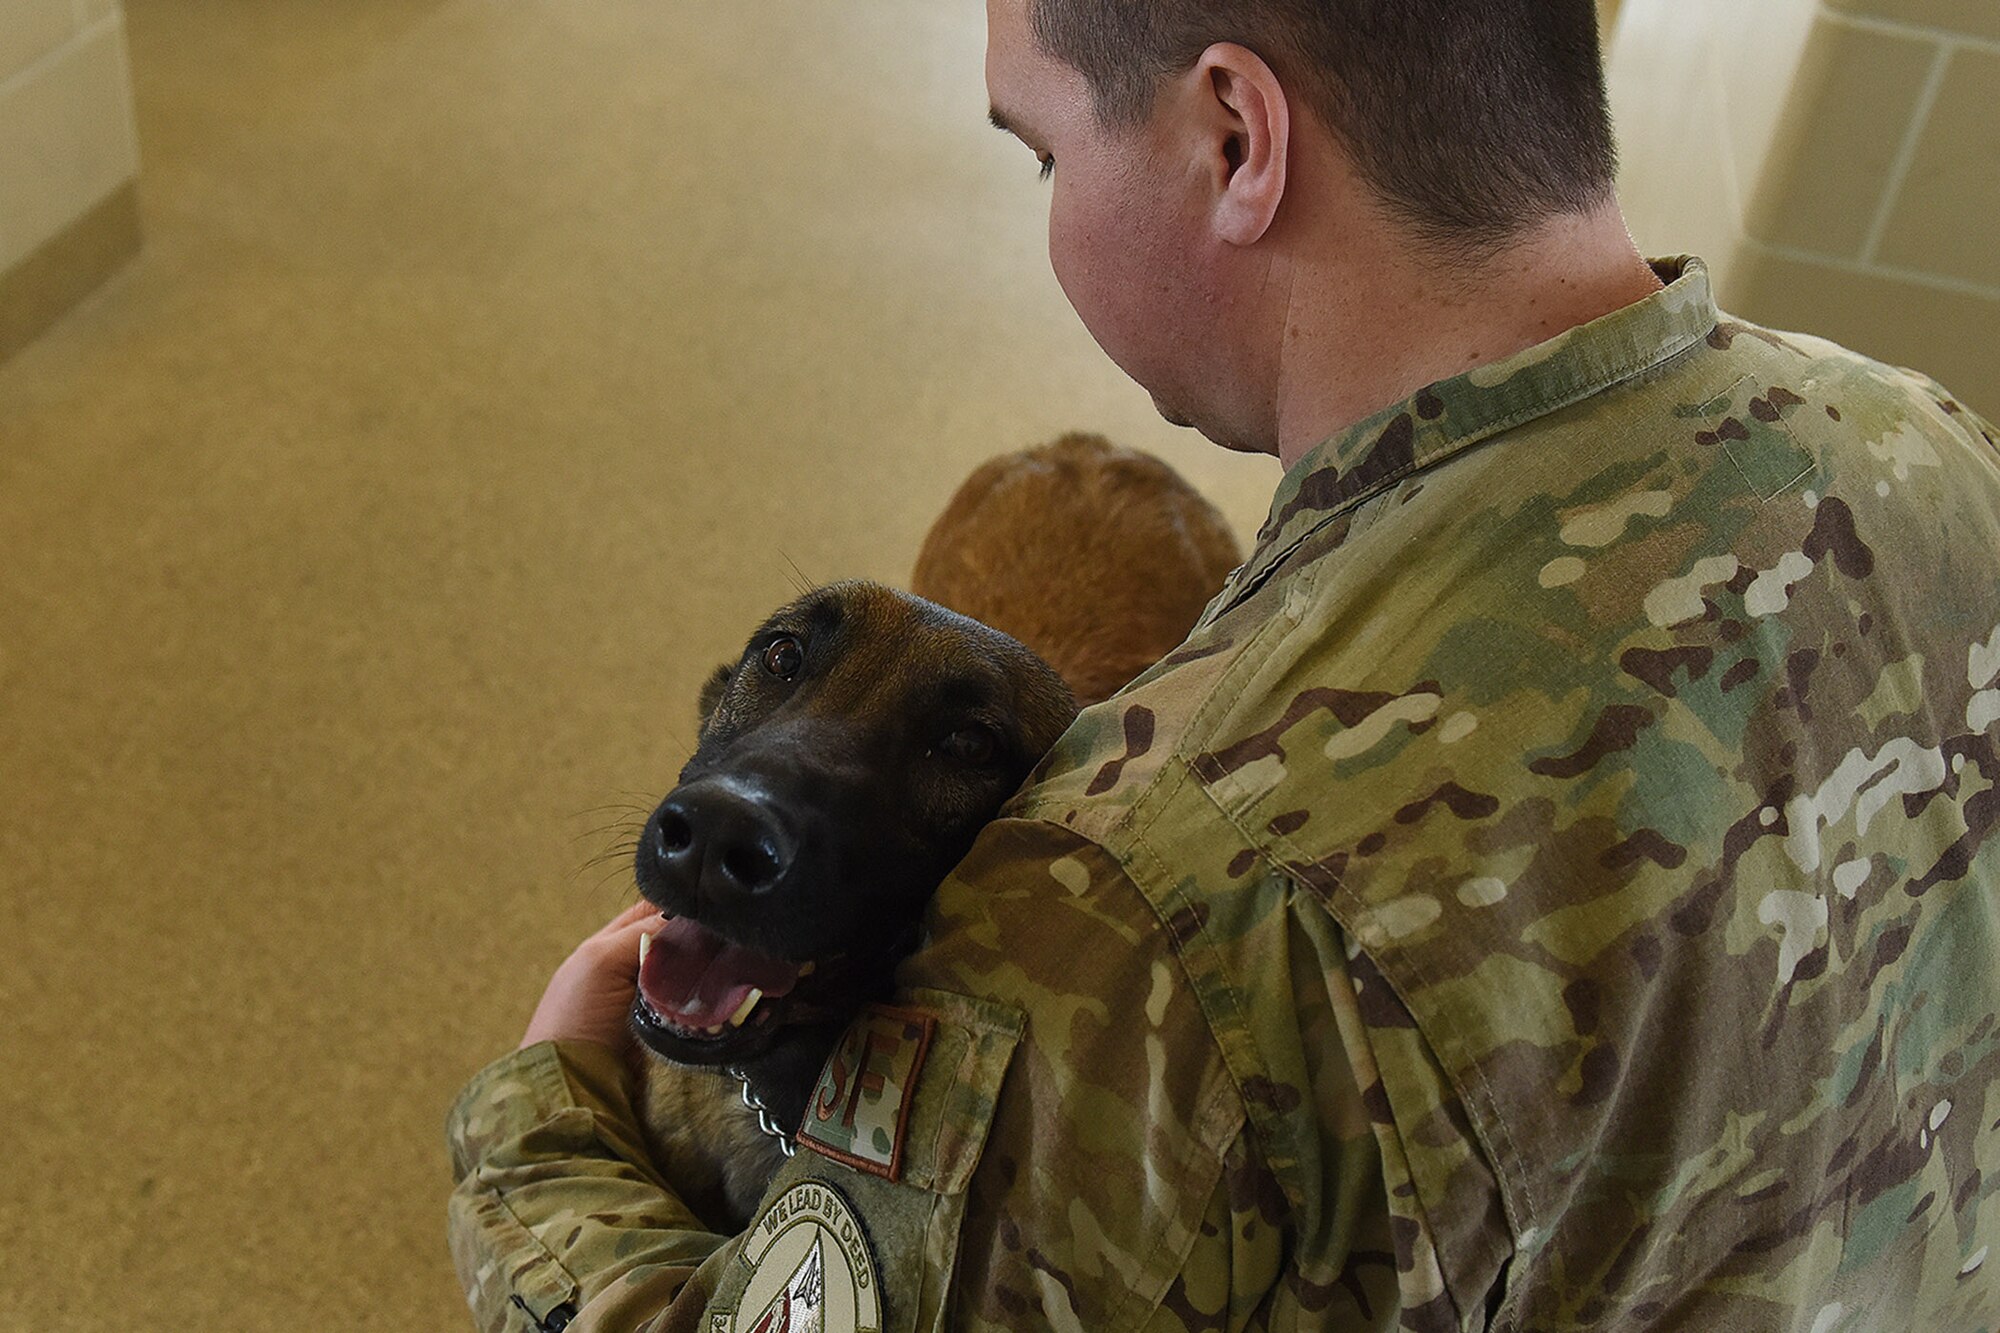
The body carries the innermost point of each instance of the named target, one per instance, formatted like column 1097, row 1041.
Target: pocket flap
column 908, row 1094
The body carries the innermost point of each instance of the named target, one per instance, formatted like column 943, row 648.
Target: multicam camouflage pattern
column 1556, row 887
column 558, row 1205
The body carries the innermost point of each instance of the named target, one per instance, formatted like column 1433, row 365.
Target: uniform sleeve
column 1066, row 1145
column 558, row 1218
column 1248, row 1269
column 1076, row 1153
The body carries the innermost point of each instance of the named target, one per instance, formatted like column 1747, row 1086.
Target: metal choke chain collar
column 764, row 1120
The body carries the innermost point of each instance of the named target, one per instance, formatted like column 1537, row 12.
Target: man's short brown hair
column 1473, row 119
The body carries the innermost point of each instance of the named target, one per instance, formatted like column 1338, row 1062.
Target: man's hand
column 591, row 994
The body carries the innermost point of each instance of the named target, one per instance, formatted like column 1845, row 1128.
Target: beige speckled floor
column 487, row 361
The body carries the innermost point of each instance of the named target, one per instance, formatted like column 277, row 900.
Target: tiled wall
column 1837, row 162
column 68, row 158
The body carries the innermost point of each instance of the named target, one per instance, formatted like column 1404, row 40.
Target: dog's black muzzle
column 722, row 841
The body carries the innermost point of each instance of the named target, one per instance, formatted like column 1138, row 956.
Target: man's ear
column 1251, row 129
column 712, row 692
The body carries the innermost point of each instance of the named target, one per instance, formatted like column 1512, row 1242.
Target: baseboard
column 69, row 266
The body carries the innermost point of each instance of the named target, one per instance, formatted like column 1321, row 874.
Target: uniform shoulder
column 1140, row 774
column 1120, row 751
column 1857, row 393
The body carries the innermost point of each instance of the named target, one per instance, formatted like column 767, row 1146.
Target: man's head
column 1473, row 119
column 1211, row 154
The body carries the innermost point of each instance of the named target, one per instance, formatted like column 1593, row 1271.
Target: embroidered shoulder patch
column 860, row 1108
column 810, row 1269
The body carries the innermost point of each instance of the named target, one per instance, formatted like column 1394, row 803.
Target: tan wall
column 1838, row 164
column 68, row 158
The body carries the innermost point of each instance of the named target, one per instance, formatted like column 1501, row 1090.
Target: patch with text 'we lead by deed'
column 860, row 1108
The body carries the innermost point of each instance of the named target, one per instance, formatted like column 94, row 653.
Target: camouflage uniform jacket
column 1555, row 887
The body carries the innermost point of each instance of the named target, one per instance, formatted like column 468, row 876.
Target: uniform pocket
column 908, row 1094
column 503, row 1267
column 861, row 1228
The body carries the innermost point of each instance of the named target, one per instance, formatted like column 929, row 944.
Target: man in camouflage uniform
column 1557, row 886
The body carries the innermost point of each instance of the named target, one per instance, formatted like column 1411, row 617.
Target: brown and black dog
column 845, row 765
column 849, row 758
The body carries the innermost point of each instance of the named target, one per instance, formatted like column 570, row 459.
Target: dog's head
column 845, row 765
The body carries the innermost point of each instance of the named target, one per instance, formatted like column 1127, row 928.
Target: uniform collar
column 1455, row 414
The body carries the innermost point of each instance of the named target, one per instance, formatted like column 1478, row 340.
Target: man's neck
column 1373, row 327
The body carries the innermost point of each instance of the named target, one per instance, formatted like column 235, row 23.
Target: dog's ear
column 712, row 692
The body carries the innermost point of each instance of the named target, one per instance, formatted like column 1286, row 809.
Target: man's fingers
column 619, row 941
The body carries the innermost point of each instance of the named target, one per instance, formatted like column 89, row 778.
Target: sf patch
column 811, row 1269
column 860, row 1108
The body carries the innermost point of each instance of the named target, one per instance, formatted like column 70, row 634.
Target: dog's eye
column 969, row 745
column 784, row 658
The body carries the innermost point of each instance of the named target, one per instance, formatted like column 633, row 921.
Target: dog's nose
column 726, row 838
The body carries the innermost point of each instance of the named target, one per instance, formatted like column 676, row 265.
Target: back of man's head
column 1473, row 119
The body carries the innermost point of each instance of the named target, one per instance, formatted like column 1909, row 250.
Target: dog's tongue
column 696, row 979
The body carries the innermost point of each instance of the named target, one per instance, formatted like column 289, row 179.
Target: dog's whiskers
column 804, row 585
column 626, row 848
column 615, row 875
column 619, row 805
column 621, row 853
column 634, row 827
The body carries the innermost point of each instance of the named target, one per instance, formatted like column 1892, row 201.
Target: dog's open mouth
column 704, row 999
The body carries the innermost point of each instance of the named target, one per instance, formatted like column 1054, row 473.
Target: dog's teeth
column 743, row 1009
column 645, row 943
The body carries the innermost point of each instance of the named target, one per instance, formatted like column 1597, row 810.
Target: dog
column 844, row 765
column 848, row 759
